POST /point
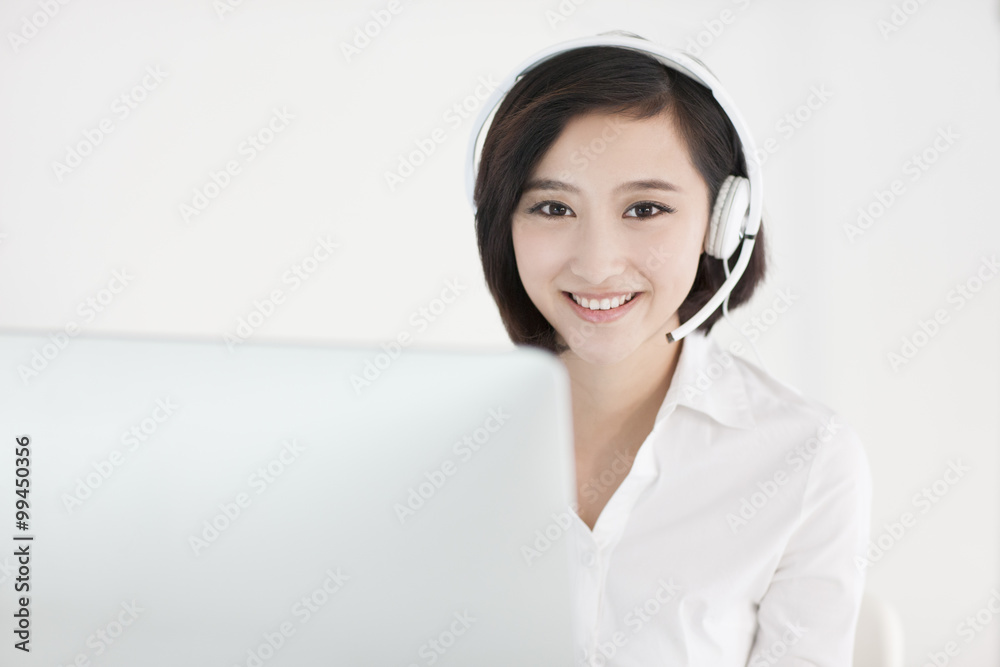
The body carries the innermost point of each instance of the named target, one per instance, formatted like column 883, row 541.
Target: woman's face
column 614, row 207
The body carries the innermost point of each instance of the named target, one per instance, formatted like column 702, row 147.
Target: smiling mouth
column 603, row 304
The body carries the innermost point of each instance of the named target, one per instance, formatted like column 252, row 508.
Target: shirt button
column 588, row 558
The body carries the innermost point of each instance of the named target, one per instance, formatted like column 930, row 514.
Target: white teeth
column 603, row 304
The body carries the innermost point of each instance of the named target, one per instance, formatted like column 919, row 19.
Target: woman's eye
column 649, row 210
column 555, row 209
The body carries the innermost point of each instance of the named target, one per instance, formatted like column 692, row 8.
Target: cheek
column 687, row 268
column 534, row 261
column 673, row 264
column 674, row 279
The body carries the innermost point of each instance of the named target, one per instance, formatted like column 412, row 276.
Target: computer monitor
column 193, row 503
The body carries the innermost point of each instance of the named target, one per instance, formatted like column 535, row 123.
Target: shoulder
column 808, row 431
column 835, row 495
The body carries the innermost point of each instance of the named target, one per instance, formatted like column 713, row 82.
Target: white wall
column 323, row 174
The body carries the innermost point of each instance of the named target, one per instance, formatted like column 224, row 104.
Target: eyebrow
column 631, row 186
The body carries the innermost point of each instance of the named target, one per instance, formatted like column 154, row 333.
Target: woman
column 723, row 517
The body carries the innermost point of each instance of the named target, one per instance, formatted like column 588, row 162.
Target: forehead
column 596, row 148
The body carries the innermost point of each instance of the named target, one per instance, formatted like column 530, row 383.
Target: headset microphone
column 737, row 210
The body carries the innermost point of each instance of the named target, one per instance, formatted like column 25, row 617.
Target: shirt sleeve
column 808, row 615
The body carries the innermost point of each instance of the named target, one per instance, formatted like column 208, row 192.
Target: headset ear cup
column 725, row 227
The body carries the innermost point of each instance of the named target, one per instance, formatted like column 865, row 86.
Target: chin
column 597, row 352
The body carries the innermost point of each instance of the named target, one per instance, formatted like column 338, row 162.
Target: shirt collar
column 708, row 380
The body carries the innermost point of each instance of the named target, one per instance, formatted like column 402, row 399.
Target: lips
column 596, row 302
column 601, row 316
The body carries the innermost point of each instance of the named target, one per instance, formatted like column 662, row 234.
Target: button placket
column 611, row 523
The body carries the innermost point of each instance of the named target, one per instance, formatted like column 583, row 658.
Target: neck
column 611, row 398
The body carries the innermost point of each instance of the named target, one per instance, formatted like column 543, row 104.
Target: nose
column 599, row 250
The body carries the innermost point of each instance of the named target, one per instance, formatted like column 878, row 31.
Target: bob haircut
column 606, row 79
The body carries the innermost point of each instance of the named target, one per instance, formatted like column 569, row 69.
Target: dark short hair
column 604, row 79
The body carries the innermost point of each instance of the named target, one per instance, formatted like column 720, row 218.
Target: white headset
column 737, row 211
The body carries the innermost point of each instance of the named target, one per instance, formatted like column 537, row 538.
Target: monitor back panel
column 283, row 505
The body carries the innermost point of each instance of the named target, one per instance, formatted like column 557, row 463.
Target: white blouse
column 738, row 536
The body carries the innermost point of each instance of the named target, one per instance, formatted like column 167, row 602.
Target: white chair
column 879, row 638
